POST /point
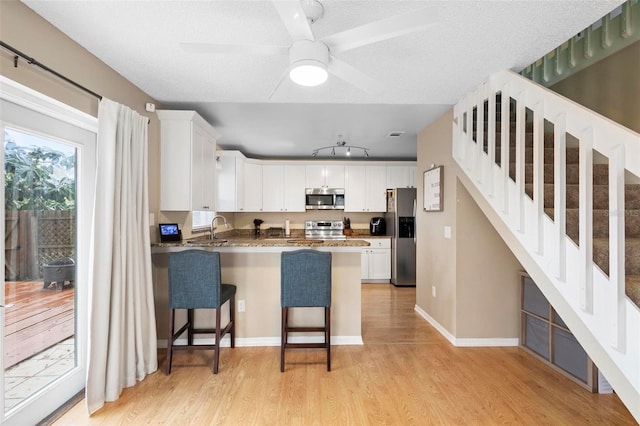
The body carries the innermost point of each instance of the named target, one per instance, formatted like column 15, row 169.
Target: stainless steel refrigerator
column 400, row 219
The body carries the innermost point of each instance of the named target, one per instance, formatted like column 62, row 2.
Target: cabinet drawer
column 382, row 243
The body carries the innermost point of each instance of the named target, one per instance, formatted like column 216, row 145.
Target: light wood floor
column 404, row 374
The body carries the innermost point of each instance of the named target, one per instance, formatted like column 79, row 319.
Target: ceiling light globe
column 308, row 73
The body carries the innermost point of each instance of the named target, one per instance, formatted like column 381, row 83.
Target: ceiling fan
column 310, row 59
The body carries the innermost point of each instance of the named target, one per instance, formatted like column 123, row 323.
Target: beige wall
column 26, row 31
column 609, row 87
column 474, row 274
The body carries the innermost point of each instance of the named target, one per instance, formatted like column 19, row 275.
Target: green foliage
column 36, row 178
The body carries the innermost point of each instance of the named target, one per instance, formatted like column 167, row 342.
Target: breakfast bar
column 253, row 265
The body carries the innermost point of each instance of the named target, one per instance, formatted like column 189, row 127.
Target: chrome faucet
column 213, row 228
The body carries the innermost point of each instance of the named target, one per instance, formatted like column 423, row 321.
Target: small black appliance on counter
column 377, row 226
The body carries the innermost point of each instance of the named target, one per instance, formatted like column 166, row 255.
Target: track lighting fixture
column 341, row 144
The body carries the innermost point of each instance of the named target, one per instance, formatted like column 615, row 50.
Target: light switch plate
column 447, row 232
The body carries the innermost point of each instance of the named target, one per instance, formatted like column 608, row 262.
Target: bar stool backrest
column 194, row 280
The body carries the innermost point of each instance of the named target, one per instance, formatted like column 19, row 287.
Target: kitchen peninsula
column 253, row 265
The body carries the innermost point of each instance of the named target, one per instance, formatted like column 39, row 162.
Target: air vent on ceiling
column 395, row 134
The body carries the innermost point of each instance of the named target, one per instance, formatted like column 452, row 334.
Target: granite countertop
column 244, row 239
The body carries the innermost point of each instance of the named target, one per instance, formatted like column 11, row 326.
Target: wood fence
column 34, row 238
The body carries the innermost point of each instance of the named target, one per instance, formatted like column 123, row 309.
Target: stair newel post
column 504, row 144
column 491, row 139
column 560, row 193
column 538, row 174
column 616, row 246
column 585, row 223
column 520, row 142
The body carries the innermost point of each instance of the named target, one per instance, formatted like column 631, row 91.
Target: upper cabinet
column 283, row 188
column 365, row 189
column 401, row 176
column 187, row 162
column 253, row 185
column 325, row 176
column 230, row 181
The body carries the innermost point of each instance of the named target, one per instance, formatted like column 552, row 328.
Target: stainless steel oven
column 324, row 199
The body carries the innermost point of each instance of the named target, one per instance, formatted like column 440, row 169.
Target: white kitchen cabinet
column 253, row 184
column 283, row 187
column 230, row 181
column 187, row 162
column 376, row 260
column 400, row 176
column 325, row 176
column 365, row 189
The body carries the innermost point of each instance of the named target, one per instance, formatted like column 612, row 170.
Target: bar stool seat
column 305, row 281
column 195, row 283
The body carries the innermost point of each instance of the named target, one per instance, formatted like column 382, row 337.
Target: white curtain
column 122, row 327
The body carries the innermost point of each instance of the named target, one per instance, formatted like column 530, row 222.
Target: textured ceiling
column 422, row 74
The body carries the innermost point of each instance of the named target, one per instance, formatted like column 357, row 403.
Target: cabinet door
column 380, row 264
column 294, row 181
column 334, row 176
column 364, row 262
column 208, row 177
column 253, row 201
column 176, row 163
column 355, row 193
column 397, row 177
column 412, row 176
column 376, row 188
column 273, row 187
column 314, row 176
column 230, row 184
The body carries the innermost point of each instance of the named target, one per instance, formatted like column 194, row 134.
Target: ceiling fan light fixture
column 308, row 73
column 308, row 61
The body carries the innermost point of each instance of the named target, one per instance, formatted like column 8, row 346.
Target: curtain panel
column 122, row 328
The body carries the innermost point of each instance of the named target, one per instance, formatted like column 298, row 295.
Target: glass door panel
column 40, row 257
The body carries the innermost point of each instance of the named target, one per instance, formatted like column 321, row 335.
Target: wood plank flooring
column 39, row 319
column 404, row 374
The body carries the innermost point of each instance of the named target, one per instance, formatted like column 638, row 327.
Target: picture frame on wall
column 433, row 189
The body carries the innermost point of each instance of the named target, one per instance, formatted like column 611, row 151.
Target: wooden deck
column 39, row 319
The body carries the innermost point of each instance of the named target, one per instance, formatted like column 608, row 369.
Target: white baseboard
column 268, row 341
column 497, row 341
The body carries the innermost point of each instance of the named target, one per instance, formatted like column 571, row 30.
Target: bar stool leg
column 170, row 342
column 216, row 350
column 283, row 336
column 327, row 335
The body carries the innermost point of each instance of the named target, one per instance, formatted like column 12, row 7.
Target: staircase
column 567, row 203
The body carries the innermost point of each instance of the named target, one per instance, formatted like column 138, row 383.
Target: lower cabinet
column 546, row 336
column 376, row 260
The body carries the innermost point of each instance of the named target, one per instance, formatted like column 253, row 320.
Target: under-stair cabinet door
column 187, row 162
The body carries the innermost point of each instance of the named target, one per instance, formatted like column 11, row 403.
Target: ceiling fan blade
column 383, row 29
column 355, row 77
column 294, row 18
column 278, row 84
column 252, row 49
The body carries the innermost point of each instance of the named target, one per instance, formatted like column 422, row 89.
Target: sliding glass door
column 49, row 169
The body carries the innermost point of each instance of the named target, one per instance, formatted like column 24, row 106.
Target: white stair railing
column 594, row 299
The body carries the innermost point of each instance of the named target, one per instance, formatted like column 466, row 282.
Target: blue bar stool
column 195, row 283
column 305, row 281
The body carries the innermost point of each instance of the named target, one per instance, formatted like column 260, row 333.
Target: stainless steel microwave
column 324, row 199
